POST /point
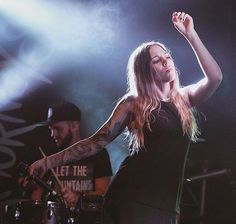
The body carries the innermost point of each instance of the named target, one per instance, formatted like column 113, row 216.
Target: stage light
column 48, row 36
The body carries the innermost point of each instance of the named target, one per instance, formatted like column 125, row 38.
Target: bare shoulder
column 127, row 102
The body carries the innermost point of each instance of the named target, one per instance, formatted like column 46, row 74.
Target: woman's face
column 161, row 64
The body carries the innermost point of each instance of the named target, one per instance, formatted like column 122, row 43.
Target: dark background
column 78, row 50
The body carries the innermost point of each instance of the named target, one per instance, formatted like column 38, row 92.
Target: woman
column 159, row 117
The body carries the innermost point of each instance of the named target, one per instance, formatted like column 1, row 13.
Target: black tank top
column 154, row 176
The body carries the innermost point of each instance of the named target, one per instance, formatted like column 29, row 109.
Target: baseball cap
column 65, row 111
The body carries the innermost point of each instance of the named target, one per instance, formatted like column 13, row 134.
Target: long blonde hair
column 142, row 86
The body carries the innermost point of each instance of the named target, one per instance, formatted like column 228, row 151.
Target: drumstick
column 52, row 170
column 55, row 175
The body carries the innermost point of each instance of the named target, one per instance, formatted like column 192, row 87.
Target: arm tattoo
column 108, row 132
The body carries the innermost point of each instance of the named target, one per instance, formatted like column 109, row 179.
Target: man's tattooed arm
column 113, row 127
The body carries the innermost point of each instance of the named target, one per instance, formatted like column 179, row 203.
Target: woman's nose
column 164, row 62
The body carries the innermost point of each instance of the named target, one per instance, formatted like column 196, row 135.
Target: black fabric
column 63, row 112
column 102, row 164
column 137, row 213
column 153, row 177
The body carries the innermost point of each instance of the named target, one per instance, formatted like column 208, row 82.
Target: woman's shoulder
column 127, row 101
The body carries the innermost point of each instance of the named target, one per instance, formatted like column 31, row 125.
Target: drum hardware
column 91, row 202
column 32, row 212
column 90, row 209
column 51, row 211
column 70, row 220
column 17, row 214
column 208, row 175
column 70, row 216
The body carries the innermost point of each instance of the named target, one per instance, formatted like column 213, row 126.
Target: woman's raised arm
column 202, row 90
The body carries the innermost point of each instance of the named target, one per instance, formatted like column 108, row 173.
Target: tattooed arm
column 113, row 127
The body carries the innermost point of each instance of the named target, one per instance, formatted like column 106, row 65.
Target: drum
column 91, row 209
column 91, row 203
column 32, row 212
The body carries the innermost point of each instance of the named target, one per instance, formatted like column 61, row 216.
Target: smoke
column 40, row 37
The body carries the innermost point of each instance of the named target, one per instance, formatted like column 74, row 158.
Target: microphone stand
column 208, row 175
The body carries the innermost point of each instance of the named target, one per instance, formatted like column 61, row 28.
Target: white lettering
column 80, row 171
column 78, row 185
column 62, row 171
column 6, row 141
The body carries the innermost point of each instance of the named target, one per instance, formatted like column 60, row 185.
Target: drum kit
column 24, row 211
column 21, row 211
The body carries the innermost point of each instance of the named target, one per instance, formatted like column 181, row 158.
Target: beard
column 66, row 141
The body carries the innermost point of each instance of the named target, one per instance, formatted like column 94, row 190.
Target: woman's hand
column 183, row 23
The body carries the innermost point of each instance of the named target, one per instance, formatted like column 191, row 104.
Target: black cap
column 63, row 112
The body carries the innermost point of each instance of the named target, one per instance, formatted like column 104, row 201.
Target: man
column 88, row 177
